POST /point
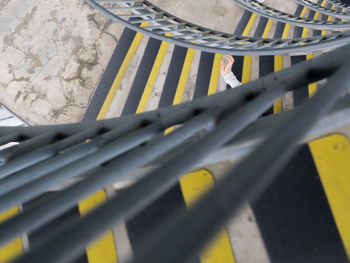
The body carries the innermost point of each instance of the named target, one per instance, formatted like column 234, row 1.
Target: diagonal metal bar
column 152, row 186
column 245, row 182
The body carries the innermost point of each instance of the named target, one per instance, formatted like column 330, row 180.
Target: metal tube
column 26, row 146
column 105, row 153
column 64, row 200
column 75, row 237
column 246, row 181
column 45, row 152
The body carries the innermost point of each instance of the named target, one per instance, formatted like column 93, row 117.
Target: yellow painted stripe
column 286, row 31
column 103, row 249
column 313, row 86
column 215, row 73
column 184, row 76
column 249, row 24
column 267, row 28
column 120, row 75
column 14, row 248
column 343, row 19
column 331, row 155
column 247, row 60
column 278, row 65
column 182, row 81
column 324, row 32
column 152, row 77
column 193, row 186
column 247, row 68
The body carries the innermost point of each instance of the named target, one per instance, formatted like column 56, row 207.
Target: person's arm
column 227, row 74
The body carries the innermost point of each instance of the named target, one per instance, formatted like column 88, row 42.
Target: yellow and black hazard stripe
column 300, row 216
column 15, row 247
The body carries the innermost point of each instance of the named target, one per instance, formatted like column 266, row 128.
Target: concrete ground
column 52, row 53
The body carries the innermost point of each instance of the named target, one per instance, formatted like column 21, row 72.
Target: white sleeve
column 231, row 80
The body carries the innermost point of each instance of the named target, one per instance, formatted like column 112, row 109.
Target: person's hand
column 226, row 69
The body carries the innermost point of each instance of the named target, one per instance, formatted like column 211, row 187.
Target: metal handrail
column 143, row 17
column 116, row 147
column 324, row 10
column 339, row 4
column 270, row 12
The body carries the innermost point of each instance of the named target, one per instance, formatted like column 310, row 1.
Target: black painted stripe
column 203, row 75
column 300, row 94
column 145, row 222
column 294, row 216
column 37, row 236
column 266, row 66
column 109, row 75
column 266, row 63
column 243, row 22
column 298, row 31
column 319, row 32
column 238, row 65
column 261, row 27
column 279, row 30
column 141, row 77
column 173, row 76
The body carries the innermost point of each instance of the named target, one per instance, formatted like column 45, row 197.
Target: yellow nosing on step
column 14, row 248
column 285, row 31
column 249, row 24
column 313, row 86
column 247, row 60
column 152, row 77
column 182, row 81
column 184, row 76
column 193, row 186
column 120, row 75
column 331, row 155
column 247, row 67
column 215, row 73
column 267, row 29
column 103, row 249
column 278, row 65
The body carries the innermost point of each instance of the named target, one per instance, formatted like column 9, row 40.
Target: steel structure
column 99, row 153
column 324, row 10
column 144, row 17
column 339, row 4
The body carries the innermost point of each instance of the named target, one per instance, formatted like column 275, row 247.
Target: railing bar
column 243, row 182
column 45, row 152
column 33, row 218
column 80, row 151
column 27, row 145
column 105, row 153
column 11, row 137
column 151, row 186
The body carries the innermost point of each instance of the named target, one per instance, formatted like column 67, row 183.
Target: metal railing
column 99, row 153
column 270, row 12
column 324, row 10
column 144, row 17
column 339, row 4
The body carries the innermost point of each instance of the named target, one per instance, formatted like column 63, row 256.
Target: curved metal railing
column 270, row 12
column 339, row 4
column 150, row 20
column 324, row 10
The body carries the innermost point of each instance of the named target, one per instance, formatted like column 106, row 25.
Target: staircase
column 162, row 61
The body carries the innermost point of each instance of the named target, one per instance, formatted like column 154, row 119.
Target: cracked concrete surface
column 52, row 56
